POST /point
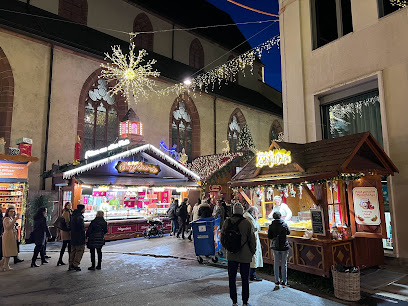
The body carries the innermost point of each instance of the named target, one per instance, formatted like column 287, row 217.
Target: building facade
column 50, row 57
column 344, row 71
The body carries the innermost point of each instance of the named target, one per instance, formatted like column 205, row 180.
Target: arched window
column 142, row 24
column 236, row 123
column 196, row 54
column 99, row 114
column 74, row 10
column 185, row 126
column 6, row 98
column 234, row 67
column 276, row 132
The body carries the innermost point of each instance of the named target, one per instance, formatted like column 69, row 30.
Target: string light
column 133, row 78
column 224, row 73
column 400, row 3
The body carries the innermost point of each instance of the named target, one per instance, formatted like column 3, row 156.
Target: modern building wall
column 374, row 51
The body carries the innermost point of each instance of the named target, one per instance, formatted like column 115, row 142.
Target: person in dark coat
column 96, row 238
column 77, row 226
column 278, row 230
column 182, row 215
column 41, row 232
column 171, row 213
column 204, row 210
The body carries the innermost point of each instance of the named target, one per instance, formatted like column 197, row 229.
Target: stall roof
column 358, row 153
column 18, row 158
column 148, row 151
column 207, row 165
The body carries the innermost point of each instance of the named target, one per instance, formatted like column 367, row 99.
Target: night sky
column 272, row 60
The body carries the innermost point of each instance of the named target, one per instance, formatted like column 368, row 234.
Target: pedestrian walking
column 252, row 216
column 66, row 234
column 182, row 215
column 96, row 238
column 204, row 210
column 41, row 233
column 279, row 244
column 9, row 238
column 219, row 211
column 171, row 213
column 77, row 226
column 193, row 216
column 238, row 238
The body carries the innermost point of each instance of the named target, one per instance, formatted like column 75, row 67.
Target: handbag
column 61, row 224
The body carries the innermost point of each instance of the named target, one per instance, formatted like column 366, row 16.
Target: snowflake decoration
column 132, row 78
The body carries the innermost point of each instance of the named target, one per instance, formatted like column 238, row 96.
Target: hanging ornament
column 292, row 191
column 286, row 192
column 269, row 194
column 133, row 78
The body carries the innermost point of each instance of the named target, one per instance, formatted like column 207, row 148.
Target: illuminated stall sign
column 273, row 158
column 137, row 166
column 120, row 143
column 10, row 170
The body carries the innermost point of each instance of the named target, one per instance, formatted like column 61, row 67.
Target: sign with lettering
column 137, row 166
column 124, row 229
column 11, row 170
column 273, row 158
column 366, row 206
column 317, row 222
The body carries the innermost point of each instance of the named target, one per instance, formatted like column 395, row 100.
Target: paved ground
column 161, row 271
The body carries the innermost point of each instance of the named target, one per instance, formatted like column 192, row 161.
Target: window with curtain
column 181, row 129
column 101, row 118
column 142, row 24
column 233, row 133
column 196, row 54
column 356, row 114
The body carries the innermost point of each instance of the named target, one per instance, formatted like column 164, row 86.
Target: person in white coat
column 282, row 208
column 252, row 216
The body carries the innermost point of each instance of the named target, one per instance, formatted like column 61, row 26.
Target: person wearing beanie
column 241, row 258
column 77, row 226
column 277, row 234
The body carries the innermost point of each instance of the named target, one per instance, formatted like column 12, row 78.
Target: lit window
column 236, row 124
column 182, row 131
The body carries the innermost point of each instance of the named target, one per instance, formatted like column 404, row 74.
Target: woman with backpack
column 277, row 232
column 66, row 235
column 96, row 238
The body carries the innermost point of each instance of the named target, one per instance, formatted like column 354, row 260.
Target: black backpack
column 178, row 210
column 231, row 236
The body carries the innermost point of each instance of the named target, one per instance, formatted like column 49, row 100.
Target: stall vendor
column 283, row 208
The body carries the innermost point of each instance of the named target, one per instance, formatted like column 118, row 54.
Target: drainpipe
column 215, row 124
column 47, row 127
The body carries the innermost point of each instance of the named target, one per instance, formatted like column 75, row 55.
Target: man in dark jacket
column 171, row 213
column 77, row 226
column 204, row 210
column 277, row 233
column 181, row 212
column 241, row 258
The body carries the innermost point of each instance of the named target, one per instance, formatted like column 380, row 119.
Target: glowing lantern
column 131, row 127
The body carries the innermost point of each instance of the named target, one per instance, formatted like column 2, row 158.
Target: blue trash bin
column 203, row 234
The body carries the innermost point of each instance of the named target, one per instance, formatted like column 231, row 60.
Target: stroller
column 155, row 229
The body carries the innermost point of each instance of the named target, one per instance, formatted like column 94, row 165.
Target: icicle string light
column 400, row 3
column 133, row 78
column 224, row 73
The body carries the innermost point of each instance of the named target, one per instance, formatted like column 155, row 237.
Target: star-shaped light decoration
column 133, row 79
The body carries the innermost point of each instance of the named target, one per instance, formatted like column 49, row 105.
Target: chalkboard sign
column 318, row 222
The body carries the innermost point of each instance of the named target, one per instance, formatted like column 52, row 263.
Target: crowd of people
column 239, row 238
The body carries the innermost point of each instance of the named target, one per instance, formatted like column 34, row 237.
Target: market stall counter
column 329, row 193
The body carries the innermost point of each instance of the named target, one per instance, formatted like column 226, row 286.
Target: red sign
column 167, row 225
column 123, row 229
column 137, row 166
column 99, row 194
column 10, row 170
column 215, row 188
column 142, row 227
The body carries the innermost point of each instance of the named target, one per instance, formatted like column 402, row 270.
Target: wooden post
column 263, row 202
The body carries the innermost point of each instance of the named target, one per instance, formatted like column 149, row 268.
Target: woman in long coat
column 66, row 235
column 9, row 238
column 96, row 238
column 41, row 232
column 252, row 216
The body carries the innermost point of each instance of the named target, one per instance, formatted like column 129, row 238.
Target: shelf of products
column 12, row 194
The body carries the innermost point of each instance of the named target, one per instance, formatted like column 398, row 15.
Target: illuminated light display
column 121, row 143
column 137, row 166
column 273, row 158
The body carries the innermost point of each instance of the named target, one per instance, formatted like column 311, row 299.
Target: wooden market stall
column 333, row 188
